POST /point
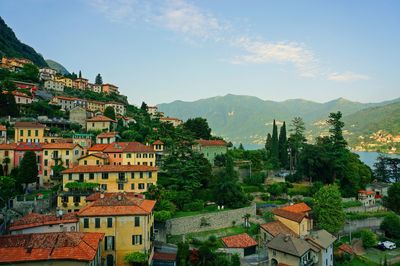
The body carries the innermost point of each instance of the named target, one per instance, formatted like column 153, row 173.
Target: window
column 151, row 155
column 21, row 133
column 97, row 162
column 5, row 153
column 109, row 243
column 86, row 223
column 141, row 185
column 115, row 156
column 46, row 162
column 141, row 175
column 150, row 174
column 151, row 163
column 29, row 132
column 91, row 176
column 65, row 199
column 120, row 186
column 137, row 221
column 46, row 153
column 85, row 162
column 67, row 162
column 274, row 252
column 144, row 155
column 104, row 176
column 109, row 222
column 97, row 222
column 120, row 155
column 77, row 199
column 136, row 239
column 104, row 187
column 69, row 176
column 45, row 172
column 121, row 176
column 67, row 153
column 36, row 133
column 133, row 186
column 138, row 155
column 129, row 155
column 81, row 177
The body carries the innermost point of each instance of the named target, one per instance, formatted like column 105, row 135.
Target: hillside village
column 86, row 178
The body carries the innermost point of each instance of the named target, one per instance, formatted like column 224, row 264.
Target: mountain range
column 248, row 119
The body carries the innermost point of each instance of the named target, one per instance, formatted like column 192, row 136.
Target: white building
column 118, row 107
column 54, row 85
column 47, row 73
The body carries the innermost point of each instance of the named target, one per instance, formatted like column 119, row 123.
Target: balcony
column 122, row 180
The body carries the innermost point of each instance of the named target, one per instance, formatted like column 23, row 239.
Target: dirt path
column 358, row 247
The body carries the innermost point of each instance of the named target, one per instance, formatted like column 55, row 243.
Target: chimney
column 286, row 238
column 119, row 197
column 101, row 195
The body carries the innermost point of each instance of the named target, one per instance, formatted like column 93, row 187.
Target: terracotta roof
column 116, row 147
column 282, row 264
column 346, row 248
column 366, row 192
column 164, row 256
column 276, row 227
column 61, row 145
column 109, row 168
column 158, row 142
column 293, row 216
column 76, row 246
column 100, row 118
column 3, row 128
column 118, row 204
column 108, row 84
column 98, row 147
column 239, row 241
column 98, row 155
column 28, row 125
column 18, row 93
column 138, row 147
column 107, row 135
column 6, row 146
column 204, row 142
column 297, row 208
column 29, row 146
column 69, row 98
column 36, row 219
column 96, row 196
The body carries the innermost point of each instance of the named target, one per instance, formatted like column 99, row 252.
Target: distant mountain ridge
column 248, row 119
column 10, row 46
column 57, row 66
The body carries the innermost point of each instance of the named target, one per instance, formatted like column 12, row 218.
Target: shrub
column 391, row 226
column 255, row 180
column 268, row 216
column 197, row 205
column 136, row 258
column 278, row 189
column 162, row 216
column 353, row 203
column 369, row 238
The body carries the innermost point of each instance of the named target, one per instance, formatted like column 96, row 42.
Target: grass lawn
column 207, row 209
column 33, row 194
column 364, row 215
column 357, row 262
column 300, row 189
column 377, row 256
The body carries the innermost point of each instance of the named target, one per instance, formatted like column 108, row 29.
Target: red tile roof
column 98, row 147
column 6, row 146
column 28, row 125
column 100, row 118
column 3, row 128
column 346, row 248
column 109, row 169
column 164, row 256
column 116, row 147
column 366, row 192
column 138, row 147
column 293, row 216
column 118, row 204
column 96, row 196
column 107, row 135
column 297, row 208
column 36, row 219
column 276, row 227
column 60, row 145
column 29, row 146
column 158, row 142
column 97, row 155
column 239, row 241
column 76, row 246
column 204, row 142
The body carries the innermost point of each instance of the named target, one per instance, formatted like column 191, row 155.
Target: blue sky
column 164, row 50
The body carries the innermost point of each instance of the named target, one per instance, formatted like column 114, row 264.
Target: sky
column 164, row 50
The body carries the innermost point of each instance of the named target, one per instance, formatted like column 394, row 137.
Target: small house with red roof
column 45, row 223
column 366, row 197
column 66, row 248
column 100, row 123
column 107, row 137
column 296, row 217
column 241, row 244
column 211, row 148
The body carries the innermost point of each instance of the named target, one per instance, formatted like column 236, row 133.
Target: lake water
column 369, row 158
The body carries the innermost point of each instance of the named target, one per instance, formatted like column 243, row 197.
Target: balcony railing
column 122, row 180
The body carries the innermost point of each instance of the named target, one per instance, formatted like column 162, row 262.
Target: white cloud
column 347, row 76
column 117, row 10
column 261, row 52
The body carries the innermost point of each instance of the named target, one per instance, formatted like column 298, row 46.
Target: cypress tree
column 98, row 80
column 80, row 74
column 283, row 153
column 274, row 145
column 268, row 144
column 28, row 170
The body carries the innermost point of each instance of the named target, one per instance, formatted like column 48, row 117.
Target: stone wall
column 208, row 221
column 372, row 223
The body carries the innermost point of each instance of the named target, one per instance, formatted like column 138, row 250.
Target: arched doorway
column 110, row 260
column 274, row 262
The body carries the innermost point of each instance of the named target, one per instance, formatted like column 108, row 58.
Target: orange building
column 109, row 88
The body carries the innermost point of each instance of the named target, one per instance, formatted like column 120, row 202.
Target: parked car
column 386, row 245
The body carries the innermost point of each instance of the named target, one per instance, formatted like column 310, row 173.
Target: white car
column 387, row 245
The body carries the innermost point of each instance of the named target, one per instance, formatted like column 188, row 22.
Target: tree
column 198, row 127
column 282, row 146
column 274, row 145
column 136, row 258
column 6, row 161
column 268, row 145
column 7, row 103
column 110, row 112
column 80, row 74
column 235, row 260
column 381, row 171
column 28, row 169
column 337, row 142
column 183, row 254
column 391, row 226
column 1, row 170
column 369, row 238
column 57, row 170
column 296, row 140
column 7, row 189
column 328, row 209
column 393, row 198
column 98, row 80
column 29, row 73
column 144, row 107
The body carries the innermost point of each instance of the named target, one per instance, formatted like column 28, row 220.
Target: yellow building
column 296, row 217
column 127, row 222
column 95, row 106
column 100, row 123
column 80, row 83
column 14, row 64
column 66, row 81
column 66, row 154
column 94, row 159
column 29, row 132
column 7, row 151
